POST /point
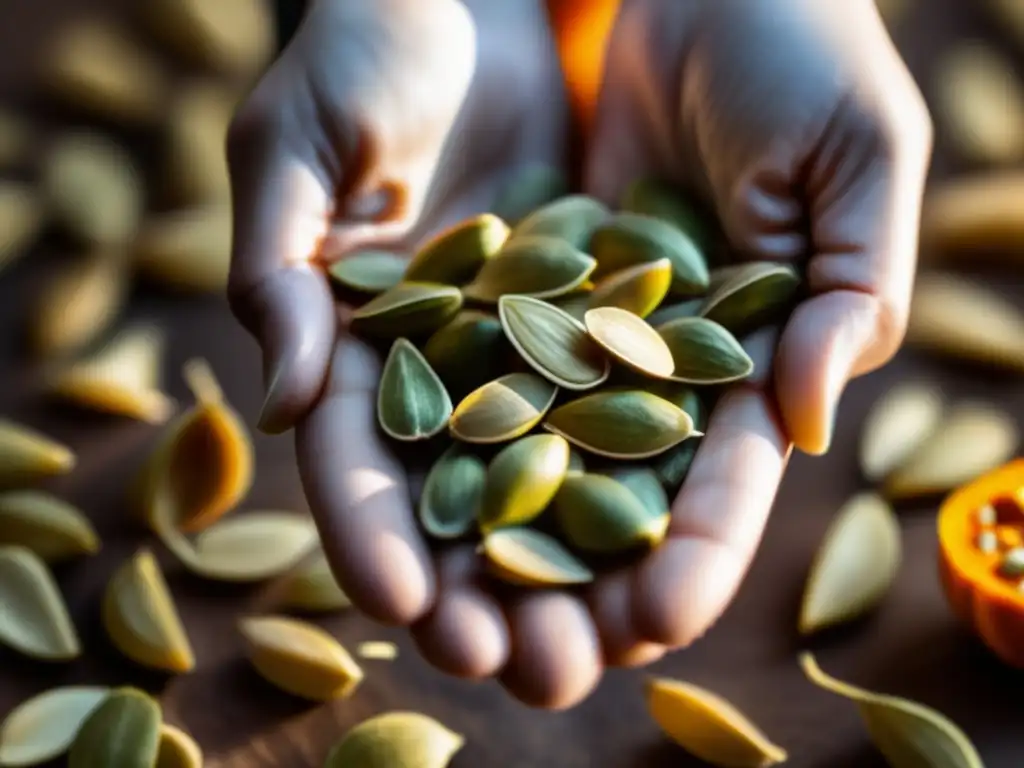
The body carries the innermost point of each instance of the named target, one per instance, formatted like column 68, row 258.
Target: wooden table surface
column 911, row 647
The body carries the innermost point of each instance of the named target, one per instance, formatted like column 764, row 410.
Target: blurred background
column 114, row 216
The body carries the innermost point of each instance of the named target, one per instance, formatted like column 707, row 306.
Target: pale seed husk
column 503, row 409
column 27, row 456
column 299, row 658
column 704, row 352
column 141, row 619
column 16, row 140
column 53, row 529
column 312, row 588
column 522, row 480
column 908, row 734
column 396, row 740
column 572, row 218
column 645, row 484
column 468, row 352
column 538, row 266
column 186, row 250
column 527, row 189
column 34, row 620
column 529, row 558
column 195, row 163
column 973, row 438
column 177, row 749
column 899, row 423
column 377, row 650
column 750, row 296
column 122, row 732
column 452, row 493
column 628, row 339
column 621, row 424
column 408, row 309
column 676, row 311
column 412, row 402
column 42, row 728
column 661, row 200
column 456, row 255
column 599, row 514
column 553, row 343
column 638, row 289
column 974, row 217
column 855, row 564
column 21, row 220
column 707, row 726
column 370, row 272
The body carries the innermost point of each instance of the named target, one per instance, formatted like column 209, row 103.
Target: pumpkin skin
column 991, row 606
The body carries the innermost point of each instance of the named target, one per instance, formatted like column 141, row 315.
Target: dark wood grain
column 912, row 646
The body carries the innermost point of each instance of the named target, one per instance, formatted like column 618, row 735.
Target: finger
column 466, row 634
column 360, row 497
column 611, row 607
column 556, row 654
column 717, row 521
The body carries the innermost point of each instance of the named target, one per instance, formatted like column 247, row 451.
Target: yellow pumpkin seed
column 621, row 424
column 186, row 250
column 638, row 289
column 177, row 749
column 503, row 409
column 751, row 296
column 522, row 480
column 645, row 484
column 27, row 455
column 899, row 423
column 599, row 514
column 538, row 266
column 43, row 728
column 21, row 220
column 371, row 272
column 16, row 140
column 630, row 340
column 408, row 309
column 299, row 658
column 529, row 558
column 312, row 588
column 553, row 343
column 676, row 311
column 123, row 731
column 412, row 402
column 53, row 529
column 456, row 255
column 468, row 352
column 704, row 352
column 709, row 727
column 908, row 734
column 35, row 620
column 396, row 740
column 527, row 189
column 572, row 218
column 661, row 200
column 975, row 216
column 452, row 493
column 378, row 650
column 855, row 565
column 141, row 619
column 195, row 163
column 972, row 439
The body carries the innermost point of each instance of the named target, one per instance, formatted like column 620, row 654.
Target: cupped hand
column 386, row 120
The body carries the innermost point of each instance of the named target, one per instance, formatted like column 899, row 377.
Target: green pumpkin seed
column 312, row 587
column 42, row 728
column 682, row 396
column 621, row 424
column 574, row 304
column 503, row 409
column 454, row 256
column 529, row 188
column 370, row 272
column 669, row 312
column 34, row 619
column 656, row 198
column 704, row 352
column 645, row 484
column 629, row 239
column 542, row 267
column 529, row 558
column 452, row 494
column 638, row 289
column 599, row 514
column 177, row 749
column 522, row 479
column 412, row 403
column 630, row 340
column 123, row 732
column 468, row 352
column 746, row 297
column 396, row 740
column 576, row 462
column 673, row 465
column 408, row 309
column 553, row 343
column 572, row 218
column 51, row 528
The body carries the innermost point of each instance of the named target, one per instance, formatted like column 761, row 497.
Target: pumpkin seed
column 703, row 352
column 312, row 587
column 378, row 650
column 574, row 304
column 707, row 726
column 661, row 200
column 396, row 740
column 897, row 426
column 673, row 465
column 906, row 733
column 121, row 378
column 978, row 215
column 553, row 343
column 53, row 529
column 669, row 312
column 370, row 272
column 621, row 424
column 599, row 514
column 503, row 409
column 972, row 439
column 538, row 266
column 27, row 455
column 638, row 289
column 1012, row 565
column 122, row 732
column 141, row 619
column 177, row 749
column 452, row 493
column 855, row 565
column 645, row 484
column 42, row 728
column 186, row 250
column 408, row 309
column 529, row 188
column 456, row 255
column 468, row 352
column 412, row 403
column 682, row 396
column 35, row 619
column 576, row 462
column 195, row 163
column 572, row 218
column 522, row 480
column 300, row 659
column 529, row 558
column 751, row 296
column 21, row 220
column 629, row 340
column 16, row 140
